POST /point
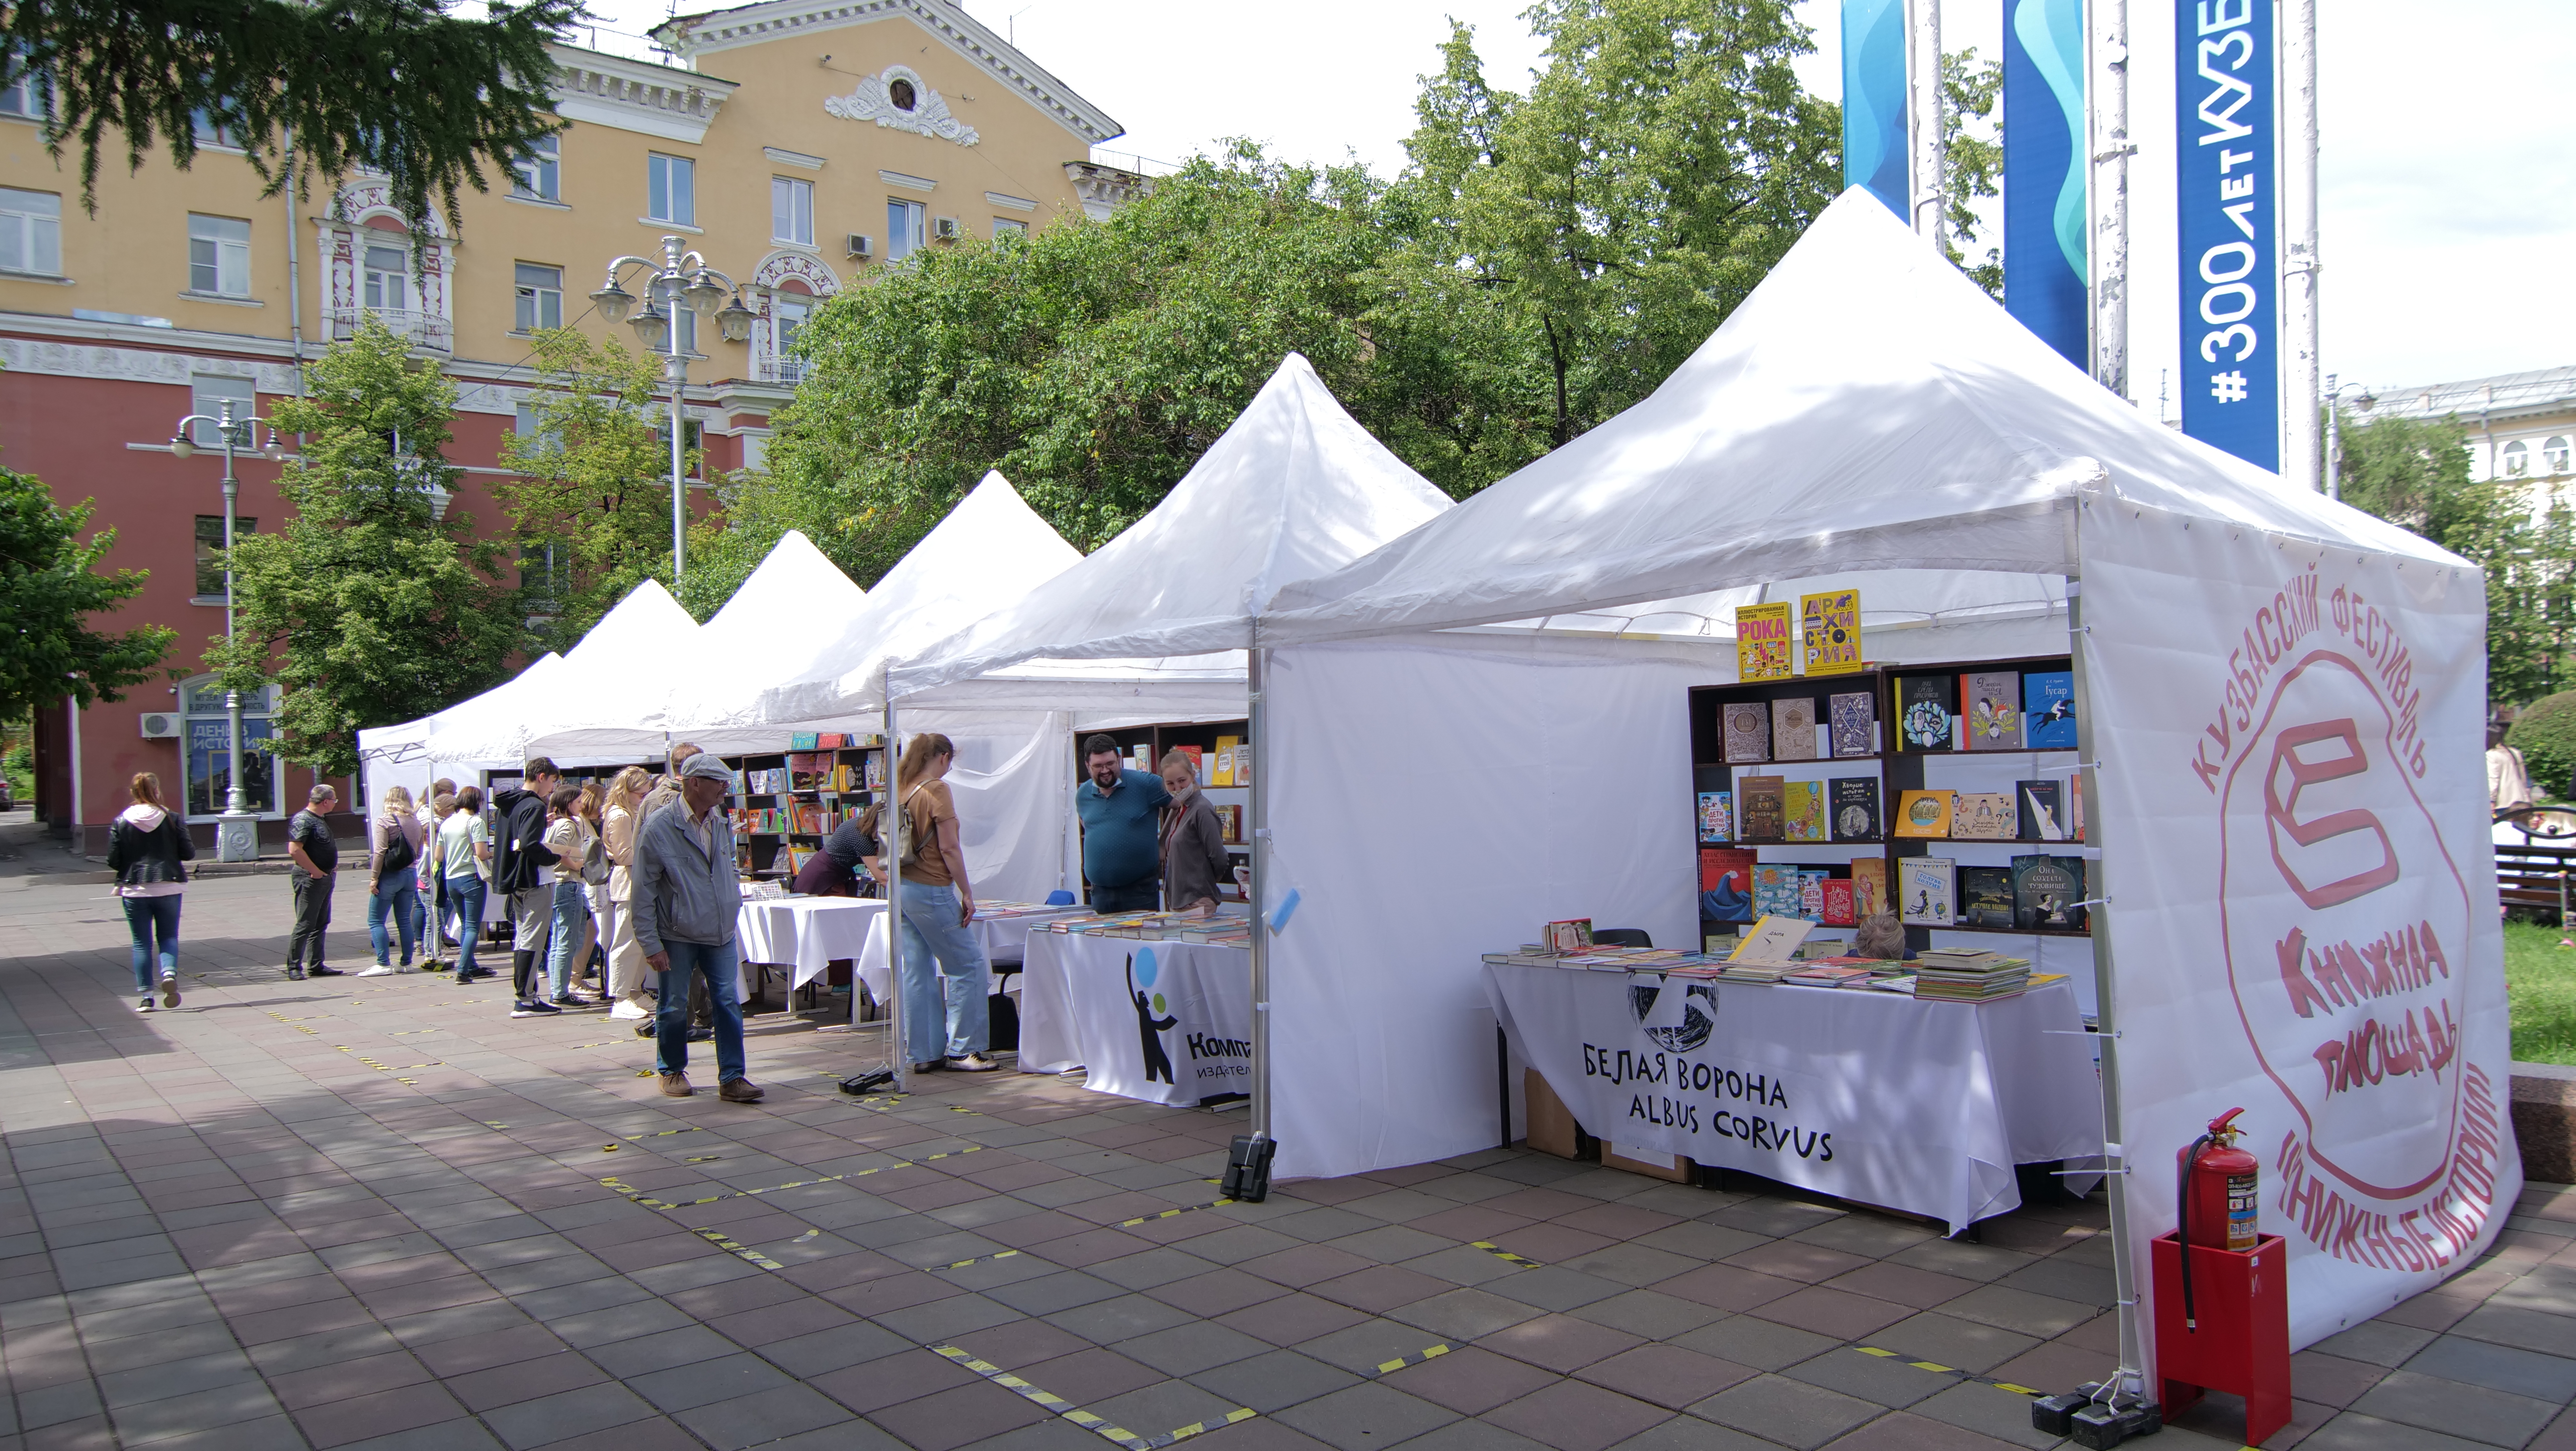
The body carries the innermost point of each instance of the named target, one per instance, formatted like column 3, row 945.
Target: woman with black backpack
column 395, row 840
column 145, row 847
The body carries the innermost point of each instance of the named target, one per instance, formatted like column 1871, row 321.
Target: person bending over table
column 1121, row 834
column 1194, row 859
column 835, row 870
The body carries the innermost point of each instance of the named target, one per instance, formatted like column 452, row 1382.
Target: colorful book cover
column 1869, row 886
column 1923, row 813
column 1986, row 896
column 1748, row 732
column 2075, row 808
column 2045, row 893
column 801, row 741
column 1841, row 909
column 1574, row 934
column 1855, row 808
column 1927, row 703
column 1811, row 893
column 1802, row 812
column 1775, row 891
column 1854, row 717
column 1763, row 648
column 2048, row 709
column 2043, row 810
column 1984, row 816
column 1717, row 816
column 1829, row 631
column 1759, row 808
column 1726, row 884
column 1991, row 699
column 1793, row 730
column 1925, row 891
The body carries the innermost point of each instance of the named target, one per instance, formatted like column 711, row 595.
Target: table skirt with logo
column 1164, row 1022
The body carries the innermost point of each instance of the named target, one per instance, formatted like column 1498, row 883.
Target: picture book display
column 1573, row 934
column 1926, row 889
column 1991, row 700
column 1764, row 648
column 1923, row 813
column 1776, row 892
column 1772, row 942
column 1811, row 893
column 1717, row 816
column 1925, row 704
column 1855, row 808
column 1869, row 886
column 1853, row 717
column 1829, row 631
column 1759, row 807
column 2046, row 890
column 1793, row 730
column 1803, row 811
column 1726, row 884
column 2048, row 710
column 1985, row 896
column 1748, row 732
column 1841, row 908
column 1983, row 816
column 2042, row 810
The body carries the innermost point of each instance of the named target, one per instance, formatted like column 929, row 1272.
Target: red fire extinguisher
column 2216, row 1199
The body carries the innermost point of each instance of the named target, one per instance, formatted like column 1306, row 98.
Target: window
column 388, row 280
column 537, row 173
column 672, row 186
column 31, row 231
column 25, row 94
column 531, row 424
column 787, row 314
column 213, row 128
column 210, row 551
column 2517, row 460
column 209, row 754
column 218, row 255
column 791, row 210
column 1008, row 229
column 2554, row 454
column 208, row 393
column 540, row 297
column 904, row 223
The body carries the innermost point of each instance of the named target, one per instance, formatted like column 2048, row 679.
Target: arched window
column 2516, row 461
column 207, row 756
column 2553, row 455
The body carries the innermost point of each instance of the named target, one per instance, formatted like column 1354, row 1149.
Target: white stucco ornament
column 899, row 98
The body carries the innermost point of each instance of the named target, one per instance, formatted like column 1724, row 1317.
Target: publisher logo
column 1677, row 1016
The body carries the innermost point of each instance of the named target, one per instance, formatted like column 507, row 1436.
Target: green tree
column 2415, row 473
column 1975, row 159
column 370, row 609
column 397, row 88
column 594, row 479
column 49, row 588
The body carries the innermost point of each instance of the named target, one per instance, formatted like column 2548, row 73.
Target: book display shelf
column 1225, row 774
column 1944, row 792
column 784, row 803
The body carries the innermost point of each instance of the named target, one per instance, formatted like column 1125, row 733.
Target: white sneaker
column 631, row 1008
column 379, row 970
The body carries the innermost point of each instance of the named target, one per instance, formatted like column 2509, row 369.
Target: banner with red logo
column 2301, row 893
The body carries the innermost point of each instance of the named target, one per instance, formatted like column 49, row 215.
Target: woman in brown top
column 945, row 1015
column 1194, row 859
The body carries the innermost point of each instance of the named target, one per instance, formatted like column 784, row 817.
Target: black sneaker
column 328, row 972
column 523, row 1009
column 648, row 1029
column 567, row 1000
column 540, row 1008
column 295, row 974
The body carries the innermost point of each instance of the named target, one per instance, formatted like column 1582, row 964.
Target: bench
column 2536, row 877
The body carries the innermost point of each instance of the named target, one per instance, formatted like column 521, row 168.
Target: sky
column 2447, row 172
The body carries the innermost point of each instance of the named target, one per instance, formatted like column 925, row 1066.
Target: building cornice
column 638, row 96
column 695, row 36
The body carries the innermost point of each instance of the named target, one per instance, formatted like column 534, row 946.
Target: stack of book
column 1969, row 976
column 1829, row 974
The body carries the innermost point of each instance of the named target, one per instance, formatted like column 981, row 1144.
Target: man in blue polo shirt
column 1122, row 834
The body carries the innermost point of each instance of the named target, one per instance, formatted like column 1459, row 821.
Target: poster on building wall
column 2299, row 893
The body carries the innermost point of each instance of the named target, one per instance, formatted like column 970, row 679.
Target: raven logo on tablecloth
column 1675, row 1016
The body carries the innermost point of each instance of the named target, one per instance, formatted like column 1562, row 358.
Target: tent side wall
column 1433, row 800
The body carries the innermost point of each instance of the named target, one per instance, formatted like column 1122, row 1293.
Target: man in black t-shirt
column 317, row 865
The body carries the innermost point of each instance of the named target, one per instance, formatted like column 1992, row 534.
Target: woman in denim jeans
column 146, row 847
column 938, row 902
column 569, row 838
column 394, row 887
column 464, row 854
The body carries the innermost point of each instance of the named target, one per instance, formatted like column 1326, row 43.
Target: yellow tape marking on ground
column 1096, row 1425
column 1500, row 1253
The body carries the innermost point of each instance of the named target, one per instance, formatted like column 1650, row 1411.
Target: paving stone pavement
column 374, row 1213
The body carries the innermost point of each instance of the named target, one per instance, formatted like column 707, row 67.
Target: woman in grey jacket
column 145, row 848
column 1194, row 859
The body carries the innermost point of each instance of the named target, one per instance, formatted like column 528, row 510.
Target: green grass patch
column 2540, row 982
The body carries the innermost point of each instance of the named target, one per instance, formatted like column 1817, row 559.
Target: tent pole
column 890, row 824
column 2129, row 1385
column 1257, row 726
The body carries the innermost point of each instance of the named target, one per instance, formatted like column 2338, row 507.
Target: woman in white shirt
column 624, row 818
column 395, row 843
column 570, row 839
column 464, row 857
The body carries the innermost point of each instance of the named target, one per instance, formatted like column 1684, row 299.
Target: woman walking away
column 938, row 902
column 624, row 817
column 465, row 862
column 435, row 939
column 594, row 891
column 568, row 840
column 145, row 848
column 395, row 843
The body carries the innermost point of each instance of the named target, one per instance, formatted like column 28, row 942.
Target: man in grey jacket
column 686, row 898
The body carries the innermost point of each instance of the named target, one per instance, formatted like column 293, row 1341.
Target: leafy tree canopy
column 48, row 591
column 394, row 87
column 365, row 607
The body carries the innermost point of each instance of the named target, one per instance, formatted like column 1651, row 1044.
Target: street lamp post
column 680, row 279
column 2334, row 432
column 237, row 831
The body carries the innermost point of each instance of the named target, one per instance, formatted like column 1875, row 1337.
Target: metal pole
column 1257, row 670
column 2334, row 436
column 2299, row 450
column 1924, row 115
column 679, row 371
column 236, row 840
column 890, row 818
column 2109, row 193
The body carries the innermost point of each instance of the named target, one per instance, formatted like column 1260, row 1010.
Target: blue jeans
column 1142, row 896
column 572, row 904
column 931, row 931
column 398, row 897
column 465, row 894
column 149, row 918
column 722, row 965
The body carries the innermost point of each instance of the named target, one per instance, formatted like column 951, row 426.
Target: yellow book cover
column 1763, row 648
column 1223, row 775
column 1802, row 812
column 1829, row 631
column 1923, row 813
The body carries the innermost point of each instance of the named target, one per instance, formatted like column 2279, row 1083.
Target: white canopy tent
column 1867, row 415
column 400, row 754
column 618, row 659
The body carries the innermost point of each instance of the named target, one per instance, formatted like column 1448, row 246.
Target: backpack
column 397, row 855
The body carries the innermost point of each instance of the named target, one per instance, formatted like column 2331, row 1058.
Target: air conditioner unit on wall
column 160, row 726
column 859, row 245
column 944, row 229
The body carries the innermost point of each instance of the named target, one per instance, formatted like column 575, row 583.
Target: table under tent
column 2278, row 701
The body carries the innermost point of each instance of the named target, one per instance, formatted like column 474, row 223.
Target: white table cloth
column 805, row 934
column 1164, row 1022
column 1923, row 1107
column 1004, row 940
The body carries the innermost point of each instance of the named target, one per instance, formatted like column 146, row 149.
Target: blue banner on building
column 2045, row 231
column 2224, row 99
column 1874, row 149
